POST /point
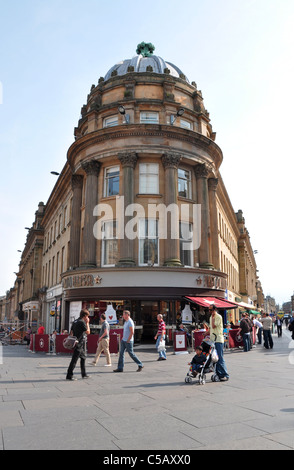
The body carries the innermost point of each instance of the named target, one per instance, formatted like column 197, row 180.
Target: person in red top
column 41, row 329
column 160, row 335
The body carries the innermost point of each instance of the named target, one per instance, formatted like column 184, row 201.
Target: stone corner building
column 144, row 139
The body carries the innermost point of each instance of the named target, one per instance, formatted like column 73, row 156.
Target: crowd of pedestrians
column 263, row 325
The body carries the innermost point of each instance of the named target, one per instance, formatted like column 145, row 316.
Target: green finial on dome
column 145, row 49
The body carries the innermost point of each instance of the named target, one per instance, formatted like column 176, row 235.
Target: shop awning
column 206, row 301
column 246, row 306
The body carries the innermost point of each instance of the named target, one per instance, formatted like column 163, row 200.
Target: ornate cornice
column 145, row 130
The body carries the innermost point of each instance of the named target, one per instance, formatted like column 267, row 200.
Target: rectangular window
column 148, row 178
column 111, row 181
column 65, row 217
column 185, row 124
column 184, row 183
column 149, row 117
column 186, row 243
column 110, row 121
column 109, row 243
column 148, row 242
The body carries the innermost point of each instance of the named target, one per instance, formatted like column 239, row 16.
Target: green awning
column 254, row 312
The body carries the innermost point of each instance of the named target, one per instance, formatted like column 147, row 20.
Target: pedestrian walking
column 80, row 328
column 160, row 337
column 245, row 332
column 103, row 342
column 258, row 324
column 217, row 336
column 291, row 325
column 127, row 344
column 267, row 331
column 279, row 323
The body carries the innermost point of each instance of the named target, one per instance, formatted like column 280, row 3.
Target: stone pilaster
column 75, row 227
column 128, row 162
column 212, row 187
column 91, row 169
column 202, row 173
column 171, row 163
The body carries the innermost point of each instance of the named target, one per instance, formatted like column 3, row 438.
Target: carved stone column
column 171, row 163
column 202, row 172
column 75, row 227
column 92, row 169
column 128, row 162
column 212, row 186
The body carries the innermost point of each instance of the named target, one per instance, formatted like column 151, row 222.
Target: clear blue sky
column 240, row 54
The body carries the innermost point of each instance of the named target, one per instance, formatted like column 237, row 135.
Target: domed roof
column 144, row 59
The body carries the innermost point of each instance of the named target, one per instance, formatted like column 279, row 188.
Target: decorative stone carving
column 92, row 167
column 128, row 159
column 212, row 184
column 171, row 160
column 76, row 181
column 201, row 170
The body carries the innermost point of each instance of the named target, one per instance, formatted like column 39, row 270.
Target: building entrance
column 149, row 312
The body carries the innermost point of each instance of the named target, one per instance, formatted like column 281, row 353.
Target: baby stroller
column 208, row 366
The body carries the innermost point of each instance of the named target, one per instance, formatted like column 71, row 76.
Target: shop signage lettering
column 82, row 280
column 213, row 282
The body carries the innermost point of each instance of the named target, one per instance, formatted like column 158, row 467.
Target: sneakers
column 86, row 376
column 107, row 365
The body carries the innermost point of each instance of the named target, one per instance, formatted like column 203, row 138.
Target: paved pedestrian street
column 151, row 410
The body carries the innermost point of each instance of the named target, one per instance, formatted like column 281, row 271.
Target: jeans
column 260, row 330
column 221, row 368
column 161, row 353
column 268, row 340
column 246, row 341
column 129, row 347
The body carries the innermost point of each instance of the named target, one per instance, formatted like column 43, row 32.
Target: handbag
column 161, row 346
column 214, row 356
column 70, row 342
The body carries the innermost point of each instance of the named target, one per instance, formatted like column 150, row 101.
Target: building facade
column 139, row 216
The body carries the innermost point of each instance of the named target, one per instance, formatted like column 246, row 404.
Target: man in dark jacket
column 245, row 332
column 79, row 328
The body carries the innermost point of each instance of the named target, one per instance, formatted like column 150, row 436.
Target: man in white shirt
column 258, row 324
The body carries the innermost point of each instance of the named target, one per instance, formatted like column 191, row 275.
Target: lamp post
column 180, row 112
column 122, row 111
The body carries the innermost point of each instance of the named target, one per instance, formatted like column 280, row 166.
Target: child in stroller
column 203, row 362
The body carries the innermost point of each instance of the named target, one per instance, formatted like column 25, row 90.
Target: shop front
column 53, row 309
column 145, row 292
column 31, row 314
